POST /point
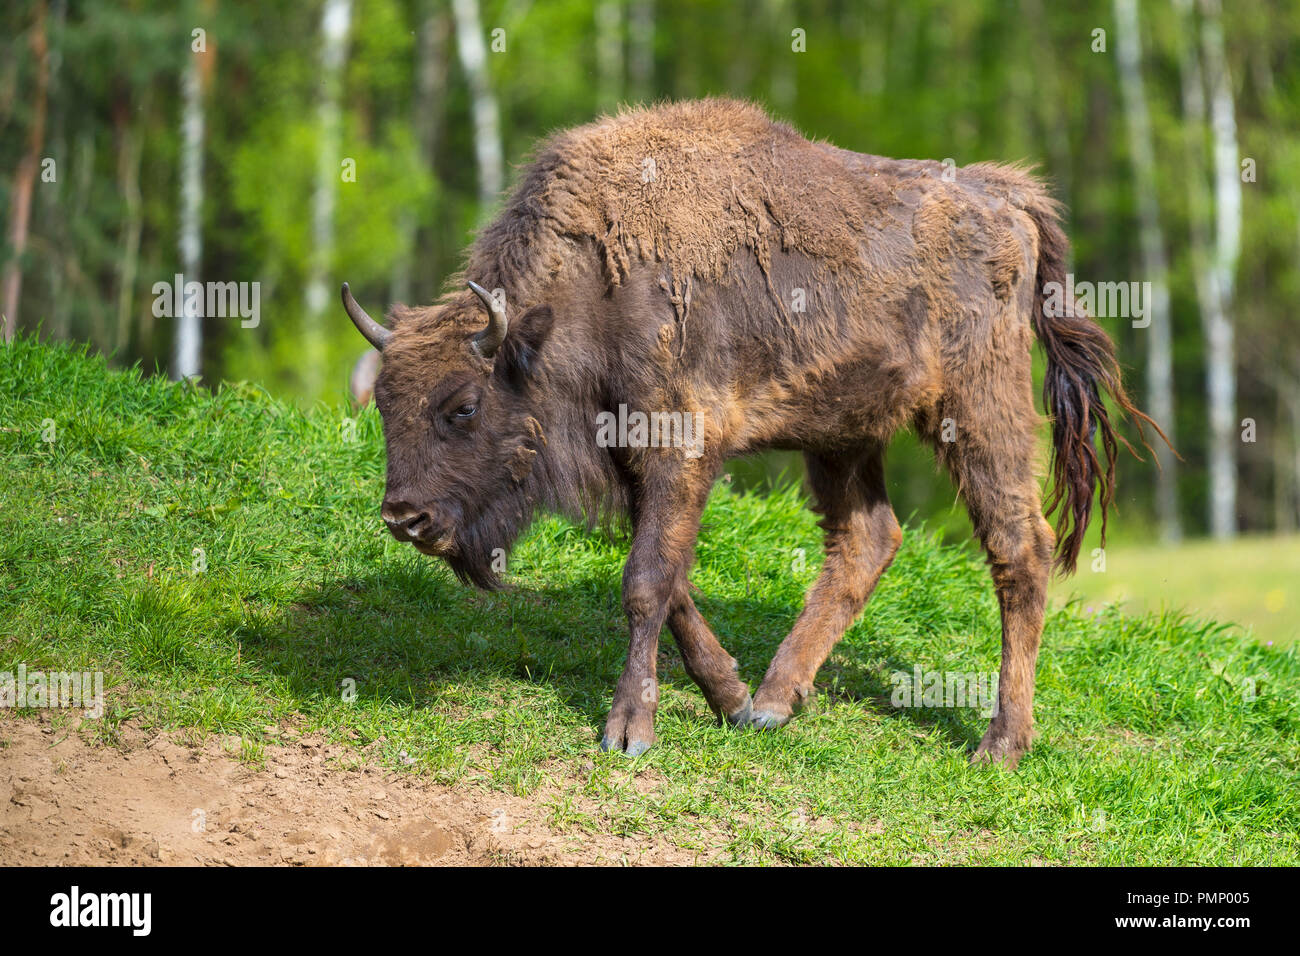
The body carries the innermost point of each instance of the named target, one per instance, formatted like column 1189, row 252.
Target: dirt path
column 154, row 801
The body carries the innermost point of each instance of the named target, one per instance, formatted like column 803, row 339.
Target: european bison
column 699, row 259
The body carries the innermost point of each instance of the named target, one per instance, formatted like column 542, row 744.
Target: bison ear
column 518, row 357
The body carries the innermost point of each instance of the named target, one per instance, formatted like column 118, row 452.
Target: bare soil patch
column 156, row 800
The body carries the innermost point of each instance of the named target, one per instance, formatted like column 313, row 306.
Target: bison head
column 461, row 425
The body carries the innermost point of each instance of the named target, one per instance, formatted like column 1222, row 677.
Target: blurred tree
column 1143, row 166
column 609, row 53
column 487, row 132
column 1217, row 311
column 336, row 21
column 20, row 198
column 426, row 122
column 1160, row 359
column 641, row 49
column 194, row 82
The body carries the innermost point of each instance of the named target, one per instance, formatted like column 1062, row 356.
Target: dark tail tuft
column 1081, row 365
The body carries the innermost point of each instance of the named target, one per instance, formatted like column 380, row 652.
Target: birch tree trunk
column 430, row 96
column 81, row 181
column 1289, row 394
column 52, row 211
column 20, row 199
column 128, row 179
column 1294, row 401
column 641, row 49
column 783, row 22
column 609, row 54
column 1284, row 477
column 1221, row 352
column 483, row 105
column 1160, row 363
column 1047, row 98
column 189, row 328
column 1210, row 294
column 335, row 23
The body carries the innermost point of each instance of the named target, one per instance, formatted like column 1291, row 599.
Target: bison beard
column 563, row 474
column 699, row 258
column 478, row 544
column 482, row 542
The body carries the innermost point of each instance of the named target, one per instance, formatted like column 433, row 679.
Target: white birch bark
column 336, row 21
column 483, row 104
column 189, row 324
column 1160, row 377
column 1220, row 351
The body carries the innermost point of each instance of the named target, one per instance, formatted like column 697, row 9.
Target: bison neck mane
column 651, row 188
column 568, row 475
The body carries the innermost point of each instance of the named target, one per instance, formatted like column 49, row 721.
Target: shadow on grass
column 411, row 633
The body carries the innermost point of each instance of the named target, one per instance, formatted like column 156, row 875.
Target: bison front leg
column 862, row 536
column 668, row 503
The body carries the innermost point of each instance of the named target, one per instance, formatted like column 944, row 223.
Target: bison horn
column 489, row 340
column 375, row 333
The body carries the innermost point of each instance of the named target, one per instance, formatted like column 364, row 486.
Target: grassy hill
column 219, row 556
column 1251, row 580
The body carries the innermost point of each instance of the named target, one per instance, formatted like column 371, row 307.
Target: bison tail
column 1081, row 366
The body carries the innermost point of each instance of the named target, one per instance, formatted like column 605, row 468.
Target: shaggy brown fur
column 700, row 258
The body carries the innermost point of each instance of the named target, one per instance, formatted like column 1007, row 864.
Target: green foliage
column 1162, row 740
column 987, row 80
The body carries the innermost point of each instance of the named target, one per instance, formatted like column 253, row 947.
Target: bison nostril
column 410, row 524
column 398, row 516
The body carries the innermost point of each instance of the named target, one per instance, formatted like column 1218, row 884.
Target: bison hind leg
column 991, row 458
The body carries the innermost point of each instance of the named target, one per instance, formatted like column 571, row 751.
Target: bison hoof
column 632, row 748
column 740, row 717
column 629, row 729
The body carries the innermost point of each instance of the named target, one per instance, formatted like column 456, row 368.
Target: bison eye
column 465, row 411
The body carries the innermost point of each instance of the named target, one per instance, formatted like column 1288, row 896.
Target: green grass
column 1163, row 740
column 1250, row 581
